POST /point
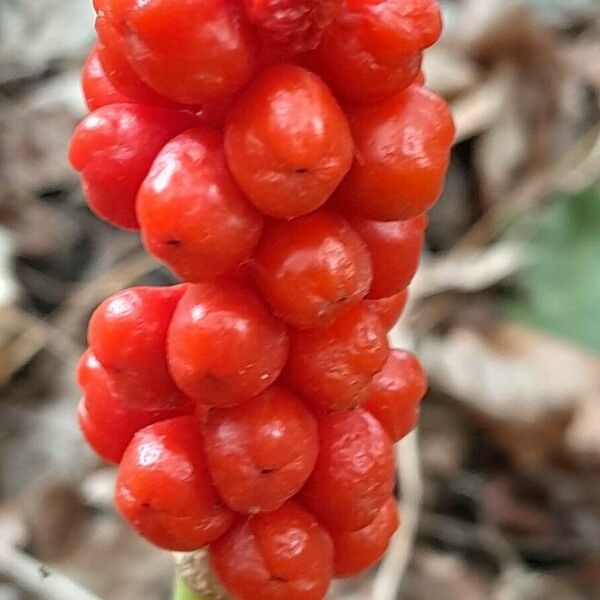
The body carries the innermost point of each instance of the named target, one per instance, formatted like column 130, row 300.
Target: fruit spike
column 279, row 157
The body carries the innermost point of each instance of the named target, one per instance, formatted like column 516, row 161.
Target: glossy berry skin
column 396, row 393
column 164, row 490
column 388, row 309
column 284, row 554
column 192, row 215
column 224, row 346
column 97, row 88
column 313, row 268
column 404, row 144
column 355, row 551
column 113, row 149
column 108, row 424
column 354, row 474
column 395, row 249
column 288, row 142
column 259, row 455
column 128, row 333
column 373, row 49
column 292, row 25
column 112, row 55
column 190, row 52
column 332, row 367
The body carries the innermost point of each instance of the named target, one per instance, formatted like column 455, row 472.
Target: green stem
column 183, row 592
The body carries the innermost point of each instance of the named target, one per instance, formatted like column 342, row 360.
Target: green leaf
column 183, row 592
column 560, row 292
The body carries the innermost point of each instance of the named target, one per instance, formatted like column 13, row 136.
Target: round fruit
column 396, row 393
column 259, row 455
column 108, row 424
column 354, row 474
column 333, row 367
column 164, row 490
column 277, row 555
column 224, row 346
column 111, row 53
column 127, row 333
column 97, row 89
column 113, row 149
column 395, row 248
column 373, row 49
column 292, row 25
column 403, row 144
column 191, row 213
column 355, row 551
column 288, row 142
column 388, row 309
column 312, row 269
column 190, row 52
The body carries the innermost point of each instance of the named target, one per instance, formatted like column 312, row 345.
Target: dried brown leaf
column 524, row 383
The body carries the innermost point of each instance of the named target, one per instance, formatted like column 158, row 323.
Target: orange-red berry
column 396, row 393
column 277, row 555
column 402, row 148
column 260, row 454
column 224, row 346
column 164, row 490
column 354, row 474
column 192, row 215
column 312, row 269
column 333, row 367
column 288, row 142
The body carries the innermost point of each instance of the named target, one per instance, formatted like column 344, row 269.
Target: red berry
column 373, row 49
column 190, row 52
column 395, row 248
column 333, row 367
column 108, row 424
column 111, row 53
column 97, row 89
column 292, row 25
column 224, row 346
column 354, row 474
column 388, row 309
column 191, row 213
column 277, row 555
column 403, row 144
column 355, row 551
column 164, row 490
column 396, row 393
column 128, row 333
column 312, row 269
column 288, row 142
column 113, row 149
column 259, row 455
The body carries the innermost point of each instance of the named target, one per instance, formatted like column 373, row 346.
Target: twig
column 391, row 571
column 578, row 166
column 58, row 328
column 463, row 534
column 35, row 578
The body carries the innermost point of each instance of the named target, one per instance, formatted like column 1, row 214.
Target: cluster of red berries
column 278, row 156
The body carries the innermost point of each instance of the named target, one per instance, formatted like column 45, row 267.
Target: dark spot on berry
column 145, row 505
column 301, row 171
column 174, row 243
column 266, row 471
column 277, row 578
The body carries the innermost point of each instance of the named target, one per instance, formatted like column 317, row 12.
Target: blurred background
column 502, row 495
